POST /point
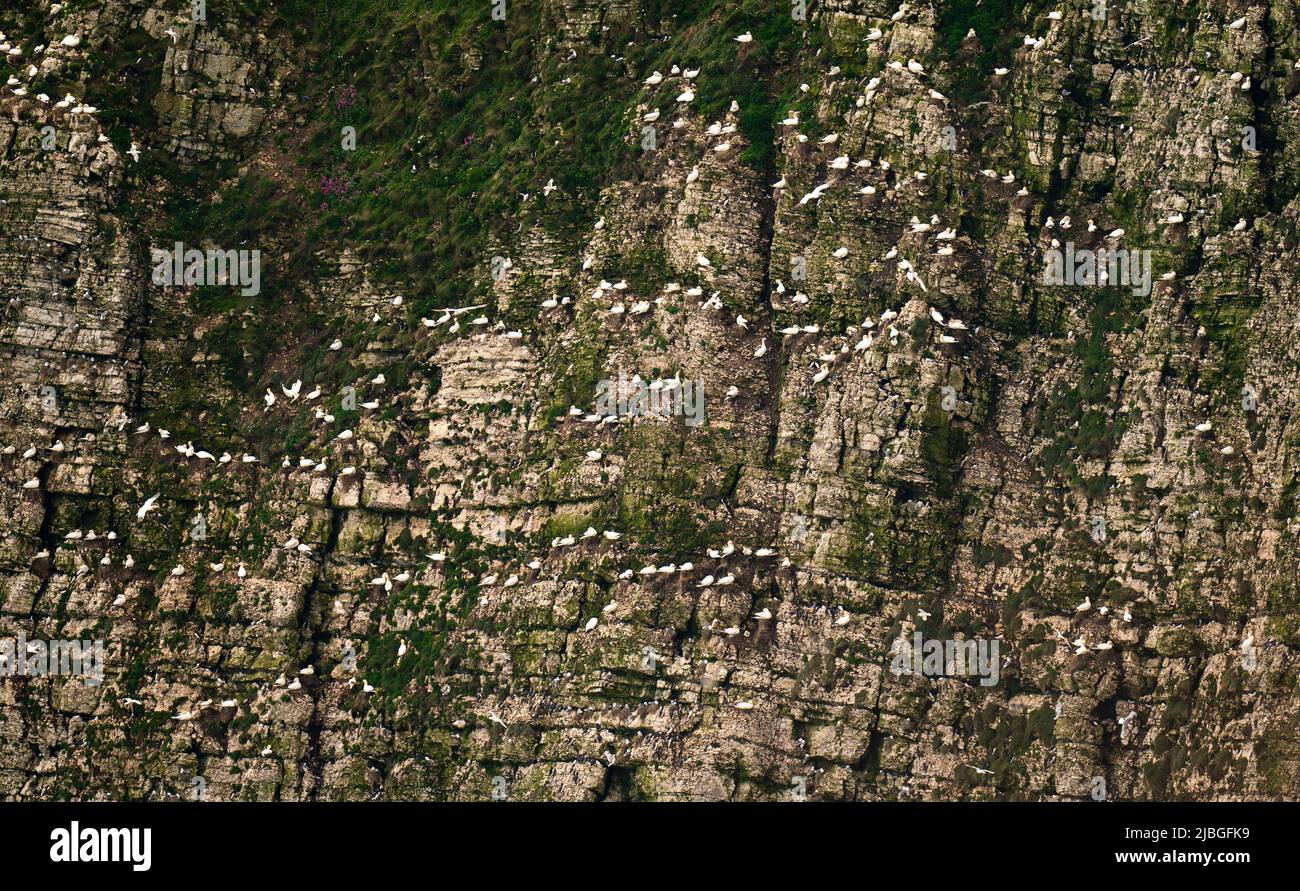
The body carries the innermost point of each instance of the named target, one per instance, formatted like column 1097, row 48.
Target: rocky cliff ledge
column 378, row 525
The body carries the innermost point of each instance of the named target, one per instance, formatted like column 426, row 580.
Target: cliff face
column 914, row 430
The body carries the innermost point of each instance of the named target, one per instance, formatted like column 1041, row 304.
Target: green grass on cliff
column 994, row 24
column 459, row 116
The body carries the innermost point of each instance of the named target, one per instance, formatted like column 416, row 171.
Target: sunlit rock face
column 897, row 407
